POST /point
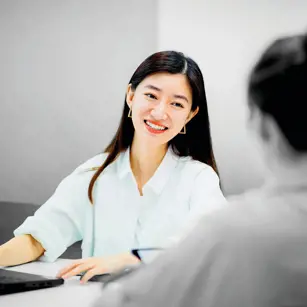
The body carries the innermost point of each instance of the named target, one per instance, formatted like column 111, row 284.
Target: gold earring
column 184, row 130
column 130, row 113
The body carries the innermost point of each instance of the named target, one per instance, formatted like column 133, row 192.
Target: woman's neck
column 144, row 161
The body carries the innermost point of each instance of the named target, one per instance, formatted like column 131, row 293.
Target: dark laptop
column 12, row 282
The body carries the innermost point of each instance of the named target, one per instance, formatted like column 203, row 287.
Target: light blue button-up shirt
column 180, row 191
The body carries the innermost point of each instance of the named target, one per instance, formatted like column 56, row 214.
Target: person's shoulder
column 244, row 214
column 258, row 222
column 79, row 178
column 92, row 164
column 196, row 169
column 240, row 206
column 254, row 202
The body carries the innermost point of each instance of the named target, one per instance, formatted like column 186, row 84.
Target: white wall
column 225, row 37
column 64, row 67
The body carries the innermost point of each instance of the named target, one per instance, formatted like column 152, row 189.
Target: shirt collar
column 161, row 175
column 158, row 181
column 123, row 167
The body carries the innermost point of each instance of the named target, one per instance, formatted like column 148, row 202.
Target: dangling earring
column 184, row 131
column 130, row 113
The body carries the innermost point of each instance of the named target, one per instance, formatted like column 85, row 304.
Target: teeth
column 155, row 126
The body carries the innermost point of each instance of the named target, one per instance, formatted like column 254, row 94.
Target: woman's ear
column 192, row 114
column 129, row 95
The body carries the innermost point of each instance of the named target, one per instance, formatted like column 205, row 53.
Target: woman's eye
column 151, row 96
column 177, row 104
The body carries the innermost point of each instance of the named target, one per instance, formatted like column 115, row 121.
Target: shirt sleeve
column 58, row 223
column 206, row 197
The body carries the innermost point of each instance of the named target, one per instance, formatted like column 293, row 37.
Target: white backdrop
column 64, row 68
column 225, row 37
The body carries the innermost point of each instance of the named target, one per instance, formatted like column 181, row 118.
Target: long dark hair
column 196, row 142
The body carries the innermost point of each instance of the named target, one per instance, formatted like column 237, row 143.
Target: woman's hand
column 97, row 265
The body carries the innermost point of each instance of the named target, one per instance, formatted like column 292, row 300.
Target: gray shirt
column 251, row 254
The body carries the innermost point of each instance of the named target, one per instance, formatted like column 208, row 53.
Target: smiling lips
column 155, row 128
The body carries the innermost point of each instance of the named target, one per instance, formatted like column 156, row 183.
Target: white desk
column 72, row 293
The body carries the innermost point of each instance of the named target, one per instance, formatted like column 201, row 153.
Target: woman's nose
column 159, row 111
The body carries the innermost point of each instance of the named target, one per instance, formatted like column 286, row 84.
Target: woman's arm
column 56, row 225
column 20, row 249
column 61, row 220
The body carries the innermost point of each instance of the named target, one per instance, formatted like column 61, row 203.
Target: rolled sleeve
column 52, row 240
column 57, row 224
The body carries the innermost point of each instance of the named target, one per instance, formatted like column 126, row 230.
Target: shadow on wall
column 13, row 214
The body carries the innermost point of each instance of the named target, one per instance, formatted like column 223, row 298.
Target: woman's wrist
column 3, row 261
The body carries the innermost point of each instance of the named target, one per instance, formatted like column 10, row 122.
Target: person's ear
column 192, row 114
column 266, row 128
column 260, row 124
column 129, row 95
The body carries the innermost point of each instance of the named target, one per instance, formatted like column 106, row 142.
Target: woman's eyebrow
column 181, row 97
column 153, row 87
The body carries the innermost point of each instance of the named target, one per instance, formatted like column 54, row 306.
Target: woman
column 154, row 179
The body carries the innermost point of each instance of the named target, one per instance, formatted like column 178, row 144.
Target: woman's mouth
column 154, row 127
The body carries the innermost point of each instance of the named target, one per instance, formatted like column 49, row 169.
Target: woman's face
column 161, row 106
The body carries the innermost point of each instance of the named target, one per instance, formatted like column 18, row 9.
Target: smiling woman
column 156, row 103
column 153, row 181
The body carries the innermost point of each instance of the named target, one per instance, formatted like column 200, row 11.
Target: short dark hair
column 196, row 143
column 278, row 87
